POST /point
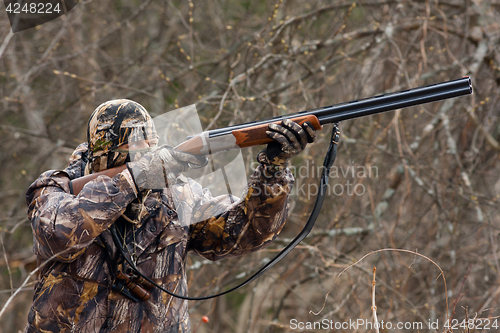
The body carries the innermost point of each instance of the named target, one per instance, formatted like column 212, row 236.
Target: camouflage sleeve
column 247, row 225
column 64, row 224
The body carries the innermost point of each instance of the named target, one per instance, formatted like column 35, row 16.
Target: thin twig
column 389, row 250
column 6, row 42
column 374, row 306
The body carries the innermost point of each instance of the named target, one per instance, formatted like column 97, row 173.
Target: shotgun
column 254, row 133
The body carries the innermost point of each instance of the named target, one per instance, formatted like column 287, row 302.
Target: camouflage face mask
column 113, row 124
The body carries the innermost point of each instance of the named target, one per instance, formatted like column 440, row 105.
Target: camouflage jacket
column 78, row 258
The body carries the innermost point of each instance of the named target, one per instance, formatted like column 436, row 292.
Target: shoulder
column 59, row 179
column 55, row 180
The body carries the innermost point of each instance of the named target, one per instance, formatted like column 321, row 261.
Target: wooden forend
column 256, row 135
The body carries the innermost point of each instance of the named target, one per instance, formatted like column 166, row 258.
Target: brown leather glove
column 158, row 167
column 289, row 139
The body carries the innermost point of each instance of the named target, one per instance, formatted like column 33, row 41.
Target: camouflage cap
column 113, row 124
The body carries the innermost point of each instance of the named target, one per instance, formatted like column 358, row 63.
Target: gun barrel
column 372, row 105
column 394, row 101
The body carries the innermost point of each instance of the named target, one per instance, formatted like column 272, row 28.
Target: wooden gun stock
column 77, row 184
column 240, row 138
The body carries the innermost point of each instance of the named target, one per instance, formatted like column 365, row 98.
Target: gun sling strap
column 327, row 164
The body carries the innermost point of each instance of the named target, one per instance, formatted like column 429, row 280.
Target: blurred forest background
column 434, row 185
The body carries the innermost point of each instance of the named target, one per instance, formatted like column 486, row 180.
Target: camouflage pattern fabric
column 112, row 124
column 78, row 257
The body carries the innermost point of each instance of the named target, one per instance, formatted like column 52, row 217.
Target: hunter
column 84, row 283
